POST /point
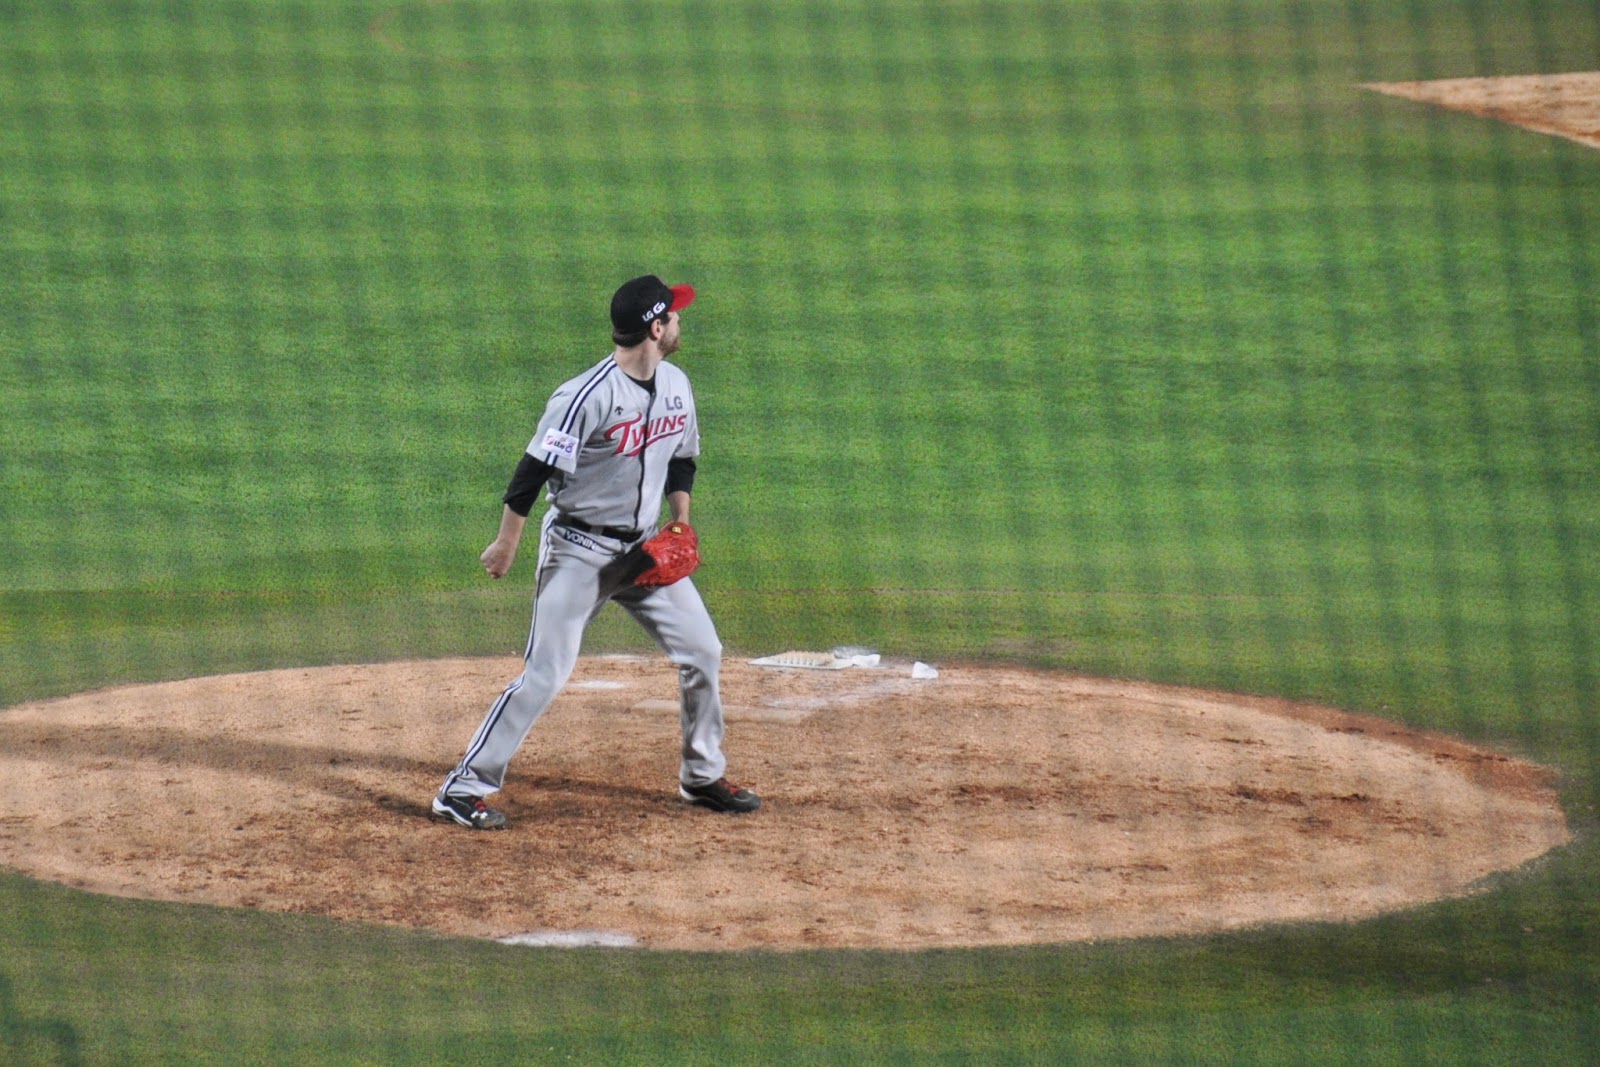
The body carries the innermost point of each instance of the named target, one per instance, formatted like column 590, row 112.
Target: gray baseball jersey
column 622, row 437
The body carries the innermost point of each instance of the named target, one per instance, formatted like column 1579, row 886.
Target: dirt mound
column 989, row 806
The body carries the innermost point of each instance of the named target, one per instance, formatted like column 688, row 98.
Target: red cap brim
column 682, row 297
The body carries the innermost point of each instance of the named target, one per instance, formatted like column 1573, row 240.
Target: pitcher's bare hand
column 498, row 557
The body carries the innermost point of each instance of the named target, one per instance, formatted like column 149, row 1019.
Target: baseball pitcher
column 612, row 443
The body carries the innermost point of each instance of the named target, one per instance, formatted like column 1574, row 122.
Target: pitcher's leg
column 483, row 769
column 676, row 617
column 568, row 589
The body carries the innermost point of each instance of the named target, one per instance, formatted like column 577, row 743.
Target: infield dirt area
column 992, row 805
column 1563, row 105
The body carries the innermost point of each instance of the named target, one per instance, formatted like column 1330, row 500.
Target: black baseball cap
column 641, row 301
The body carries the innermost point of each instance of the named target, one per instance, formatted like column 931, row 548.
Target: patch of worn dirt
column 1564, row 105
column 992, row 805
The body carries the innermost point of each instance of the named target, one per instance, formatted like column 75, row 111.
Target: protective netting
column 1247, row 345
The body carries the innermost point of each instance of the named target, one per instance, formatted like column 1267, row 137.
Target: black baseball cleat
column 720, row 795
column 470, row 812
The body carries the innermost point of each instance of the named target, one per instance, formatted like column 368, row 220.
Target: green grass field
column 1127, row 338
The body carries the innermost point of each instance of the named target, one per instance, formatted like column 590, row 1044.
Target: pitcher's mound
column 989, row 806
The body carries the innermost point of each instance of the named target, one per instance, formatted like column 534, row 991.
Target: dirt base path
column 989, row 806
column 1563, row 105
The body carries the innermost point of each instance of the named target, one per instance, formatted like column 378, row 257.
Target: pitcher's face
column 670, row 335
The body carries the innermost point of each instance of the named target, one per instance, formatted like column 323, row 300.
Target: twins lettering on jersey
column 635, row 435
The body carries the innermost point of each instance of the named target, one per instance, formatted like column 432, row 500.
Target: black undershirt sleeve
column 523, row 492
column 680, row 476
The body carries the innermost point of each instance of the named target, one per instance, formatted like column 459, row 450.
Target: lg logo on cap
column 653, row 312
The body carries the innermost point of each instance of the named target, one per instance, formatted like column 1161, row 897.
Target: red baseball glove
column 669, row 556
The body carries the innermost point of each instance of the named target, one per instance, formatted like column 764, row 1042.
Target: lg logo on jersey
column 559, row 444
column 635, row 435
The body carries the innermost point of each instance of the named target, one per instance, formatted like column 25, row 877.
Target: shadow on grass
column 29, row 1040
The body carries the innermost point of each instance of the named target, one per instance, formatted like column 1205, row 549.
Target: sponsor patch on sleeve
column 560, row 444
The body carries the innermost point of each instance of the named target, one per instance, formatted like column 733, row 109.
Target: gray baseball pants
column 578, row 574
